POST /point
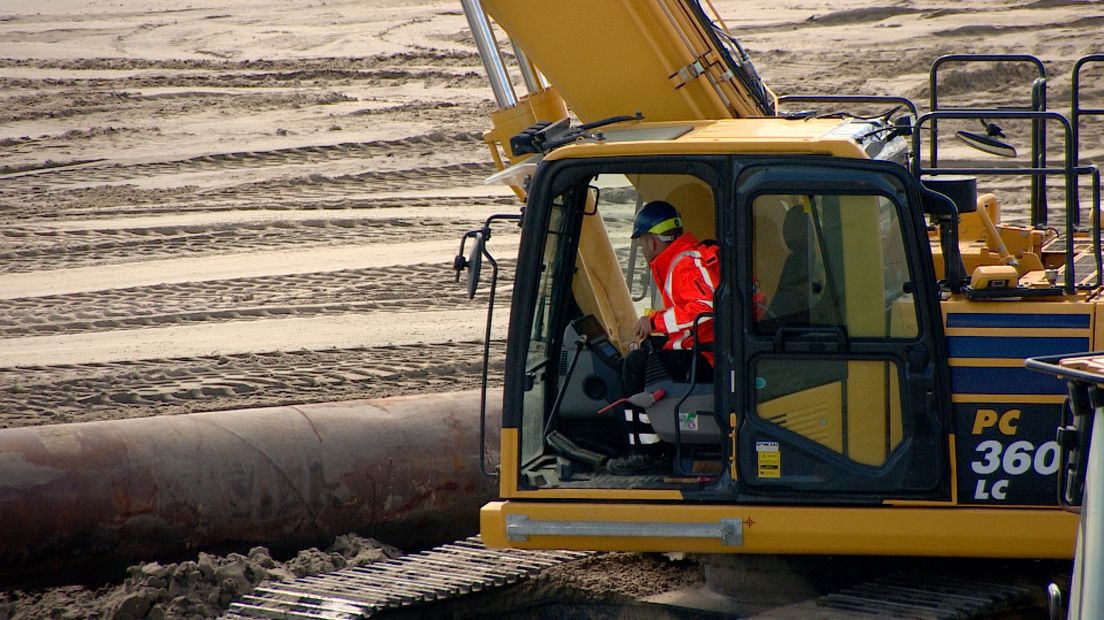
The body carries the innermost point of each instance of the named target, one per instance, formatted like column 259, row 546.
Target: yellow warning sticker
column 769, row 459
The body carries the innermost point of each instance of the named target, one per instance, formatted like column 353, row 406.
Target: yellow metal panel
column 874, row 411
column 952, row 451
column 898, row 530
column 731, row 90
column 832, row 148
column 864, row 272
column 994, row 276
column 599, row 284
column 601, row 495
column 615, row 56
column 765, row 130
column 1043, row 399
column 859, row 418
column 1056, row 306
column 902, row 316
column 759, row 136
column 1097, row 326
column 509, row 440
column 815, row 413
column 541, row 106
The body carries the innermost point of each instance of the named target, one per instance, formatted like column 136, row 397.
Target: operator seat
column 790, row 305
column 695, row 418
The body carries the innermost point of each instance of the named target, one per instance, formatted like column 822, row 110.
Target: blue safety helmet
column 656, row 217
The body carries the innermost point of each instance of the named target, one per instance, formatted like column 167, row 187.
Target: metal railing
column 1038, row 128
column 1069, row 170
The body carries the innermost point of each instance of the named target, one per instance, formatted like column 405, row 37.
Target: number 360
column 1017, row 459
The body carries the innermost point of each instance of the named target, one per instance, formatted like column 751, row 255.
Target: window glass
column 620, row 196
column 538, row 360
column 591, row 267
column 852, row 407
column 832, row 260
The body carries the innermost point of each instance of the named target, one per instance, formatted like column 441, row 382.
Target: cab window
column 833, row 267
column 832, row 260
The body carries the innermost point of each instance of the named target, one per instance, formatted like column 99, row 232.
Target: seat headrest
column 795, row 229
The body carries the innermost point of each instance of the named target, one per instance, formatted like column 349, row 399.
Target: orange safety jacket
column 688, row 272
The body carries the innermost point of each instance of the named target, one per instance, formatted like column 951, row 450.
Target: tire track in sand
column 53, row 174
column 84, row 392
column 396, row 288
column 73, row 248
column 119, row 201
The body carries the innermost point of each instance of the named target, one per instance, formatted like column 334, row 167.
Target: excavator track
column 442, row 573
column 465, row 567
column 927, row 595
column 935, row 592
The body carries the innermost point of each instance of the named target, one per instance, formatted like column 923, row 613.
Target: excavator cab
column 837, row 377
column 831, row 411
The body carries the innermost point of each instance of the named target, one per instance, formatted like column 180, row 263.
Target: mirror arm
column 486, row 233
column 459, row 263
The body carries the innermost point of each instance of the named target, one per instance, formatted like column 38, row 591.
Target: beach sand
column 274, row 191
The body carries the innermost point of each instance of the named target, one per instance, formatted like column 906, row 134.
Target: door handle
column 825, row 339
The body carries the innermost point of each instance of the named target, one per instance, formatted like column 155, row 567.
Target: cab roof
column 808, row 136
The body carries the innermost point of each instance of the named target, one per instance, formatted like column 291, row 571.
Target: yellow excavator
column 880, row 404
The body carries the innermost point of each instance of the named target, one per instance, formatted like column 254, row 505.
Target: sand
column 276, row 189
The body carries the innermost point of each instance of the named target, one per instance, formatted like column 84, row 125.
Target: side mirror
column 475, row 263
column 474, row 260
column 989, row 141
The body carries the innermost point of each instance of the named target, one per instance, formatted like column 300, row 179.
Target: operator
column 687, row 272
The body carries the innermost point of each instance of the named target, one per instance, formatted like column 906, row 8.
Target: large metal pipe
column 403, row 470
column 485, row 41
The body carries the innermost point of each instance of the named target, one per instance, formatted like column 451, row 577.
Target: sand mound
column 200, row 588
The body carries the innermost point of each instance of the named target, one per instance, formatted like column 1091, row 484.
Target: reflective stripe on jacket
column 691, row 270
column 687, row 272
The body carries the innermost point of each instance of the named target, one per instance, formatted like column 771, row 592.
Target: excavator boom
column 663, row 60
column 669, row 59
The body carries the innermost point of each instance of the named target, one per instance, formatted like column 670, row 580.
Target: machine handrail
column 1038, row 129
column 690, row 390
column 1069, row 170
column 1076, row 110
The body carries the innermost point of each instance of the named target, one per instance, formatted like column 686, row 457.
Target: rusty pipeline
column 404, row 470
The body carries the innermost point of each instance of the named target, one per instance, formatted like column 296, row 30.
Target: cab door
column 838, row 373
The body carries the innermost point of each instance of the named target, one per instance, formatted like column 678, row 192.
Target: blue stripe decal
column 986, row 319
column 1013, row 347
column 988, row 380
